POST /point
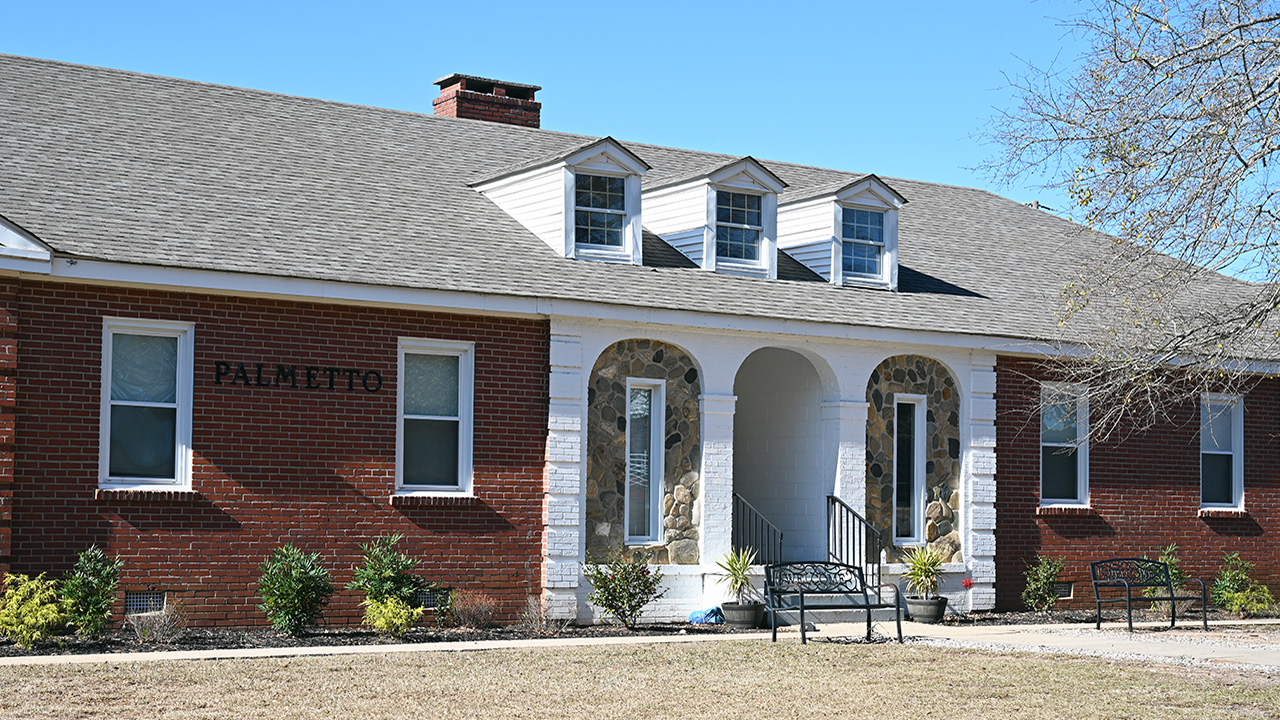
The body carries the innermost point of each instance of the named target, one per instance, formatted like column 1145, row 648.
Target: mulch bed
column 123, row 641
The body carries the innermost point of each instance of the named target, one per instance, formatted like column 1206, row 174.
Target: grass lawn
column 705, row 680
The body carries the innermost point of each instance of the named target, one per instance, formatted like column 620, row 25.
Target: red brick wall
column 275, row 464
column 455, row 102
column 1144, row 493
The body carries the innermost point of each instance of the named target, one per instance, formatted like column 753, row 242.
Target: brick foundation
column 1144, row 493
column 271, row 464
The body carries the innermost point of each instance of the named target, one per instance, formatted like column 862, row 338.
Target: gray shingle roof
column 139, row 169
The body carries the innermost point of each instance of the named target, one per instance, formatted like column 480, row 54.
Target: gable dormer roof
column 842, row 188
column 720, row 171
column 625, row 160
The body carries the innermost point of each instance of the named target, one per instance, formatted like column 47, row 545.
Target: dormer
column 723, row 218
column 584, row 203
column 846, row 232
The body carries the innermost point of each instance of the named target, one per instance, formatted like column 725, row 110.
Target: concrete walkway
column 1148, row 643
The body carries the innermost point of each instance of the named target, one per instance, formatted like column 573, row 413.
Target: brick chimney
column 477, row 98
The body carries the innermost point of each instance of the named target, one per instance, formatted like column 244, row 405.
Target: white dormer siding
column 811, row 230
column 544, row 200
column 685, row 215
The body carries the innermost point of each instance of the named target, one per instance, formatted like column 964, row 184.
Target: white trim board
column 310, row 290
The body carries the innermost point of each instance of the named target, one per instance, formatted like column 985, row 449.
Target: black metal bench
column 1130, row 573
column 786, row 585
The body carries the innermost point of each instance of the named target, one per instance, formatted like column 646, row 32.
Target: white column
column 846, row 422
column 717, row 476
column 980, row 485
column 566, row 438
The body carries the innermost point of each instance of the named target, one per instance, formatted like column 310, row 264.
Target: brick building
column 234, row 319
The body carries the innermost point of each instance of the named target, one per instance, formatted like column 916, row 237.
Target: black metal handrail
column 753, row 530
column 851, row 539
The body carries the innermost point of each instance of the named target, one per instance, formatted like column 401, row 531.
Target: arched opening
column 644, row 456
column 778, row 463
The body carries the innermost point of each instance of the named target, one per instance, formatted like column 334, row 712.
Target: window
column 600, row 210
column 1221, row 452
column 434, row 395
column 862, row 250
column 1064, row 446
column 146, row 404
column 738, row 226
column 908, row 469
column 646, row 403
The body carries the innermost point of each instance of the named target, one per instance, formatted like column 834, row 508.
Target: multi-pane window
column 1063, row 446
column 1221, row 445
column 435, row 415
column 600, row 210
column 738, row 226
column 862, row 249
column 645, row 410
column 908, row 468
column 146, row 408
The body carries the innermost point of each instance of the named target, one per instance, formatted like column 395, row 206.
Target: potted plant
column 924, row 565
column 742, row 615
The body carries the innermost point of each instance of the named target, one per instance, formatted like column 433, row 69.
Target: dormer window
column 862, row 233
column 600, row 210
column 583, row 202
column 723, row 217
column 846, row 233
column 738, row 227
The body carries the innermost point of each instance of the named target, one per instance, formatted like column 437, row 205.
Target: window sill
column 1223, row 513
column 866, row 282
column 741, row 268
column 431, row 499
column 1067, row 510
column 173, row 495
column 590, row 253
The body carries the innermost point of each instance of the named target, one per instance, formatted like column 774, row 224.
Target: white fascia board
column 873, row 186
column 332, row 291
column 21, row 251
column 616, row 156
column 749, row 167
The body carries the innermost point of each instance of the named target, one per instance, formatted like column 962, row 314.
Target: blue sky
column 898, row 89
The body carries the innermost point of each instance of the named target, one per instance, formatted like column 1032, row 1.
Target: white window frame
column 918, row 481
column 626, row 214
column 1081, row 395
column 883, row 245
column 657, row 464
column 465, row 352
column 1237, row 450
column 761, row 260
column 184, row 332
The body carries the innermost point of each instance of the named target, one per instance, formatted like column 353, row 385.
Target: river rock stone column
column 606, row 454
column 916, row 375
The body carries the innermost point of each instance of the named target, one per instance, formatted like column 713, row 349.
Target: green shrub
column 444, row 608
column 924, row 565
column 391, row 615
column 1169, row 556
column 623, row 585
column 89, row 590
column 1041, row 576
column 386, row 573
column 1235, row 590
column 30, row 610
column 294, row 588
